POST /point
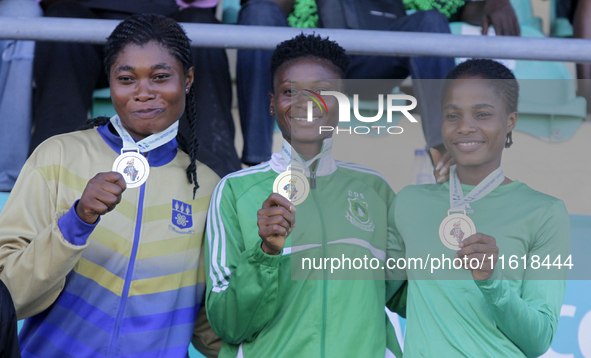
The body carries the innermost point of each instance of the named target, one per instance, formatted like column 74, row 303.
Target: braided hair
column 309, row 46
column 499, row 77
column 139, row 30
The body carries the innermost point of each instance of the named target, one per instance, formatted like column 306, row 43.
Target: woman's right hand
column 275, row 220
column 101, row 195
column 442, row 164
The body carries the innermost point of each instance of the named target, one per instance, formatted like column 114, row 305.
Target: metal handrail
column 386, row 43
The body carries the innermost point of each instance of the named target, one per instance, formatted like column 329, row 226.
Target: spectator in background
column 253, row 78
column 498, row 13
column 16, row 68
column 9, row 347
column 66, row 74
column 579, row 14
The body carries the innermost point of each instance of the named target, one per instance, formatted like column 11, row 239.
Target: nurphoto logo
column 345, row 112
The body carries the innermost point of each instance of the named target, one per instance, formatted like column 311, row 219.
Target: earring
column 272, row 112
column 509, row 139
column 186, row 90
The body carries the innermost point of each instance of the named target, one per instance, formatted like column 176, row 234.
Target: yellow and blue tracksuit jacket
column 132, row 284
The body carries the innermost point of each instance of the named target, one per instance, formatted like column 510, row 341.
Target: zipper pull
column 313, row 179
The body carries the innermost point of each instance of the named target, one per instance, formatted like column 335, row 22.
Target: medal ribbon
column 147, row 144
column 457, row 201
column 296, row 161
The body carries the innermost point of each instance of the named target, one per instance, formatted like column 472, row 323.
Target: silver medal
column 131, row 163
column 134, row 167
column 455, row 228
column 458, row 226
column 293, row 185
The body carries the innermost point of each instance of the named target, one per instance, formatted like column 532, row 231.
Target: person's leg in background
column 65, row 74
column 582, row 30
column 213, row 99
column 253, row 82
column 16, row 71
column 423, row 70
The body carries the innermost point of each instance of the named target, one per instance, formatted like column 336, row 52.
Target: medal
column 457, row 225
column 455, row 228
column 131, row 163
column 134, row 167
column 292, row 185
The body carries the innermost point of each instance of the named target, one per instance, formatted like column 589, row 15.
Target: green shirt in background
column 514, row 314
column 449, row 8
column 304, row 14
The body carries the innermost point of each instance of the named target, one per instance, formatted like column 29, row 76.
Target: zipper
column 129, row 273
column 324, row 273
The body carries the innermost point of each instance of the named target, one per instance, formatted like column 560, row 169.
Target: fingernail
column 461, row 244
column 439, row 165
column 292, row 209
column 441, row 179
column 443, row 171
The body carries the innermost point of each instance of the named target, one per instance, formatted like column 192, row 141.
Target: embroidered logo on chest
column 182, row 218
column 358, row 213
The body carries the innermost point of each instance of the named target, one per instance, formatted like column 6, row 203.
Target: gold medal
column 455, row 228
column 293, row 185
column 134, row 167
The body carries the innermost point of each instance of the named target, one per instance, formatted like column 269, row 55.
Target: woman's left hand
column 484, row 249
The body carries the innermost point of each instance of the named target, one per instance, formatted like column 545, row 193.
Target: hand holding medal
column 101, row 195
column 275, row 220
column 130, row 170
column 479, row 253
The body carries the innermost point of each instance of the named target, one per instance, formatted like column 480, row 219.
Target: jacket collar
column 326, row 166
column 156, row 158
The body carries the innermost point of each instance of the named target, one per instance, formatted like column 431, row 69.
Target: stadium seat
column 3, row 198
column 525, row 14
column 548, row 105
column 230, row 11
column 101, row 103
column 193, row 353
column 559, row 26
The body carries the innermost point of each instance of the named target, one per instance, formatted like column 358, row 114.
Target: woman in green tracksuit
column 260, row 300
column 508, row 244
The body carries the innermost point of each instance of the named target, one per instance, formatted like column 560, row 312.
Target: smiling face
column 289, row 101
column 148, row 88
column 475, row 124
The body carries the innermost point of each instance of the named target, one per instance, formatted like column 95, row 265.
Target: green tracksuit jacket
column 253, row 302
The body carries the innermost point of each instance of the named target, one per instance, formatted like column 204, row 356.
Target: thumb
column 117, row 178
